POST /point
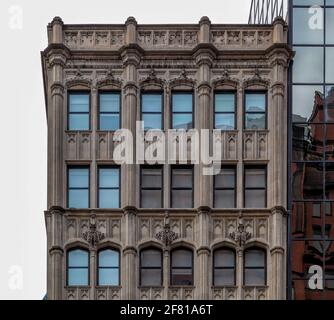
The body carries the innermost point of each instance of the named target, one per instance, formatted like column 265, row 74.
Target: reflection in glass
column 307, row 104
column 329, row 181
column 330, row 103
column 308, row 142
column 308, row 65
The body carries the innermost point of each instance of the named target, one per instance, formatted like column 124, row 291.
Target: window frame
column 98, row 267
column 69, row 167
column 258, row 166
column 143, row 167
column 79, row 92
column 179, row 92
column 105, row 166
column 183, row 268
column 178, row 166
column 223, row 188
column 214, row 268
column 151, row 268
column 101, row 92
column 217, row 92
column 265, row 267
column 245, row 112
column 68, row 267
column 153, row 92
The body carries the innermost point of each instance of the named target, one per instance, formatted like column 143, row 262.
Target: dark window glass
column 151, row 187
column 329, row 181
column 78, row 111
column 77, row 267
column 152, row 110
column 109, row 111
column 255, row 187
column 307, row 181
column 182, row 267
column 151, row 268
column 109, row 187
column 182, row 187
column 330, row 112
column 255, row 267
column 224, row 188
column 108, row 268
column 225, row 111
column 182, row 110
column 224, row 267
column 255, row 113
column 78, row 187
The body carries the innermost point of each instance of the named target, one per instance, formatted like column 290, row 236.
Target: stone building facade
column 238, row 252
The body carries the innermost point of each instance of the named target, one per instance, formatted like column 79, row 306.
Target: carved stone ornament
column 167, row 236
column 93, row 236
column 241, row 236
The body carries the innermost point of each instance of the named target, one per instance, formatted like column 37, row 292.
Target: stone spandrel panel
column 151, row 293
column 255, row 145
column 227, row 293
column 78, row 145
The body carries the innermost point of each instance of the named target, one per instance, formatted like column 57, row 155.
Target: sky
column 23, row 120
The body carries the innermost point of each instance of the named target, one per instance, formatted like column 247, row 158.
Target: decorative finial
column 167, row 236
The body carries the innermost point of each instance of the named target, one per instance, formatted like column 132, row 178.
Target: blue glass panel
column 78, row 258
column 182, row 102
column 109, row 178
column 152, row 121
column 225, row 102
column 108, row 258
column 109, row 122
column 78, row 198
column 78, row 277
column 330, row 24
column 108, row 277
column 109, row 198
column 255, row 121
column 224, row 121
column 79, row 102
column 255, row 102
column 182, row 121
column 78, row 178
column 151, row 102
column 330, row 62
column 308, row 2
column 109, row 102
column 78, row 122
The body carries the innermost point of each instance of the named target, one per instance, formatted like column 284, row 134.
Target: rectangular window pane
column 224, row 121
column 225, row 199
column 330, row 23
column 78, row 277
column 78, row 258
column 224, row 277
column 182, row 277
column 108, row 277
column 254, row 277
column 254, row 258
column 329, row 61
column 151, row 199
column 78, row 121
column 182, row 199
column 224, row 258
column 255, row 121
column 151, row 103
column 225, row 179
column 109, row 178
column 182, row 121
column 151, row 258
column 152, row 121
column 79, row 103
column 109, row 198
column 225, row 102
column 255, row 178
column 151, row 277
column 255, row 199
column 109, row 102
column 182, row 178
column 78, row 198
column 78, row 178
column 109, row 121
column 181, row 258
column 255, row 102
column 151, row 178
column 108, row 258
column 183, row 102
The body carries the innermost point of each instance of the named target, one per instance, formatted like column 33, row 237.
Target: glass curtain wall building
column 311, row 155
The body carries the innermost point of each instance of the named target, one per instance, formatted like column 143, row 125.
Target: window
column 152, row 111
column 109, row 105
column 108, row 267
column 255, row 187
column 78, row 187
column 224, row 267
column 255, row 113
column 78, row 111
column 151, row 268
column 182, row 187
column 151, row 187
column 77, row 267
column 109, row 181
column 225, row 111
column 224, row 188
column 255, row 267
column 182, row 110
column 182, row 267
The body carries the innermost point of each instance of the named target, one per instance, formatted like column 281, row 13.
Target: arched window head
column 108, row 268
column 77, row 267
column 182, row 267
column 224, row 267
column 151, row 267
column 255, row 267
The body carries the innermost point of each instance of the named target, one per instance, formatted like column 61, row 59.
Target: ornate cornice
column 182, row 80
